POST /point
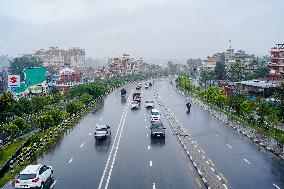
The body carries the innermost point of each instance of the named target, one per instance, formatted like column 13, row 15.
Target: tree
column 17, row 65
column 279, row 96
column 206, row 76
column 7, row 102
column 73, row 107
column 247, row 109
column 86, row 98
column 45, row 121
column 220, row 70
column 236, row 71
column 11, row 129
column 21, row 124
column 23, row 106
column 261, row 72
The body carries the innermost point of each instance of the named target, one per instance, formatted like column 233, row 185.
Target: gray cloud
column 144, row 28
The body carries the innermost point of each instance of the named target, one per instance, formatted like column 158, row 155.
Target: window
column 27, row 176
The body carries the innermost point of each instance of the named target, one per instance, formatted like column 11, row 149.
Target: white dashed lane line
column 229, row 146
column 70, row 160
column 154, row 186
column 90, row 134
column 146, row 126
column 145, row 120
column 246, row 161
column 82, row 145
column 151, row 163
column 148, row 147
column 53, row 184
column 101, row 118
column 276, row 186
column 147, row 135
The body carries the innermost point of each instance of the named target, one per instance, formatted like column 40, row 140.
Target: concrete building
column 210, row 62
column 258, row 88
column 277, row 61
column 126, row 65
column 56, row 58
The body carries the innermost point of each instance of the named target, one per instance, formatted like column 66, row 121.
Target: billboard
column 13, row 80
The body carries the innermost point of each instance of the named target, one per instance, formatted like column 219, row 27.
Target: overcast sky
column 143, row 28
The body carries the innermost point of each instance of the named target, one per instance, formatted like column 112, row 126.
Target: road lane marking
column 117, row 146
column 53, row 184
column 82, row 145
column 146, row 126
column 216, row 135
column 147, row 135
column 70, row 160
column 145, row 119
column 229, row 146
column 114, row 142
column 90, row 134
column 190, row 167
column 198, row 182
column 246, row 161
column 101, row 118
column 148, row 147
column 276, row 186
column 154, row 185
column 151, row 163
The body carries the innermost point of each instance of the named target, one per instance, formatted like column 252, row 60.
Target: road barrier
column 204, row 167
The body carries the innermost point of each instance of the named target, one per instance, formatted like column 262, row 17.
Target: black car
column 157, row 129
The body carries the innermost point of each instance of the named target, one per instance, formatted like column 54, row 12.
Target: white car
column 34, row 176
column 102, row 131
column 155, row 115
column 134, row 105
column 149, row 104
column 146, row 86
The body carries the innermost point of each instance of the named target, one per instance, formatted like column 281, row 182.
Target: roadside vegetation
column 257, row 113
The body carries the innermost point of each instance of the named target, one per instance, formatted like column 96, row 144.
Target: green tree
column 236, row 71
column 220, row 70
column 7, row 102
column 17, row 65
column 206, row 76
column 73, row 107
column 86, row 98
column 234, row 101
column 38, row 103
column 21, row 124
column 261, row 72
column 56, row 114
column 247, row 109
column 279, row 96
column 11, row 130
column 23, row 106
column 44, row 122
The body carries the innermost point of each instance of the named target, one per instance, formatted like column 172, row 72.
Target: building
column 276, row 55
column 210, row 62
column 56, row 58
column 257, row 88
column 68, row 77
column 126, row 65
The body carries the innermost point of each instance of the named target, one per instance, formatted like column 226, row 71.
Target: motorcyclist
column 188, row 105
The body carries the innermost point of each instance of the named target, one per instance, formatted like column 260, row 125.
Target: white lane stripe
column 112, row 148
column 146, row 126
column 145, row 119
column 229, row 146
column 247, row 161
column 70, row 160
column 101, row 118
column 147, row 135
column 148, row 147
column 90, row 134
column 53, row 184
column 151, row 163
column 216, row 135
column 154, row 186
column 276, row 186
column 82, row 145
column 116, row 149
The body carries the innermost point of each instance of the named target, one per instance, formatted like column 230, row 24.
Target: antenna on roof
column 230, row 41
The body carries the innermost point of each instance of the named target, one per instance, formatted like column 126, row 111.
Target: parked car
column 134, row 105
column 157, row 129
column 155, row 115
column 34, row 176
column 102, row 131
column 149, row 104
column 146, row 86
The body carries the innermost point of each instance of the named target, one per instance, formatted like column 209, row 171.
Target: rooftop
column 258, row 83
column 30, row 169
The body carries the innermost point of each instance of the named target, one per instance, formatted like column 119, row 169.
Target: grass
column 9, row 150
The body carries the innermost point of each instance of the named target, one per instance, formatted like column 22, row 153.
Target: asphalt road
column 131, row 159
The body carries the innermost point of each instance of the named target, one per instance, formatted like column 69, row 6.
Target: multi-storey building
column 277, row 61
column 126, row 65
column 56, row 58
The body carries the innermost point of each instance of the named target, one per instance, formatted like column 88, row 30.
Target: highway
column 132, row 159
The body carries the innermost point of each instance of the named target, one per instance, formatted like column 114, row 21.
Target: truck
column 137, row 96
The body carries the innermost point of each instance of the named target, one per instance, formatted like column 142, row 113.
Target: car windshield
column 155, row 113
column 149, row 102
column 158, row 126
column 27, row 176
column 101, row 129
